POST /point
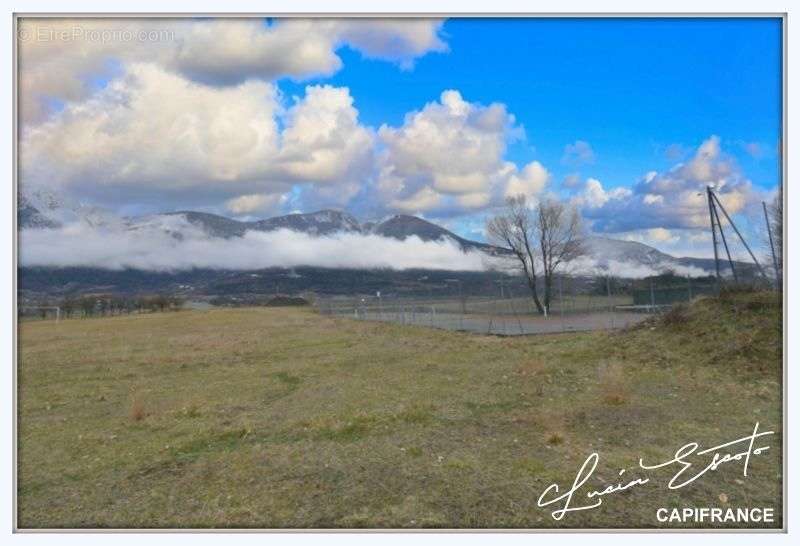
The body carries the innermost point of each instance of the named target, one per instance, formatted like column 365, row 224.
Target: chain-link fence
column 575, row 305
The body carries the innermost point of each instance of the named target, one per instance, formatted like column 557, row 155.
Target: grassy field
column 284, row 418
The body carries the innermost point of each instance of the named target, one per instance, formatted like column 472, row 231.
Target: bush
column 677, row 315
column 286, row 301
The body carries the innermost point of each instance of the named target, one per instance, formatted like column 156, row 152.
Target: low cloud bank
column 615, row 268
column 79, row 245
column 174, row 244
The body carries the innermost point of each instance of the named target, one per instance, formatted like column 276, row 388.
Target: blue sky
column 644, row 93
column 630, row 87
column 599, row 103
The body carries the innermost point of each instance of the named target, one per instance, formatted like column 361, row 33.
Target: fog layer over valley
column 60, row 234
column 154, row 249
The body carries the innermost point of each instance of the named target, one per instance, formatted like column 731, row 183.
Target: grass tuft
column 613, row 384
column 555, row 438
column 137, row 412
column 677, row 316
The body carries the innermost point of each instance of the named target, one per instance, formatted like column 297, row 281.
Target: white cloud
column 662, row 235
column 240, row 148
column 451, row 153
column 677, row 241
column 672, row 199
column 255, row 203
column 530, row 182
column 578, row 153
column 704, row 166
column 157, row 250
column 323, row 140
column 192, row 119
column 153, row 131
column 651, row 199
column 424, row 199
column 626, row 269
column 474, row 200
column 151, row 127
column 595, row 196
column 60, row 57
column 397, row 40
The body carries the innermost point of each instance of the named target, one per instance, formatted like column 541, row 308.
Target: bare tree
column 542, row 240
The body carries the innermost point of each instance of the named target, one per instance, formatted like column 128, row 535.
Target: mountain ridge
column 605, row 252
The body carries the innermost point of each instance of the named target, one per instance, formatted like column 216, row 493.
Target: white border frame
column 398, row 8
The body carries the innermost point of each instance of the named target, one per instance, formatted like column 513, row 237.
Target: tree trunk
column 535, row 295
column 548, row 290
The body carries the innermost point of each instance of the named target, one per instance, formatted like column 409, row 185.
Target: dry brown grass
column 282, row 418
column 530, row 368
column 613, row 384
column 555, row 438
column 137, row 412
column 678, row 315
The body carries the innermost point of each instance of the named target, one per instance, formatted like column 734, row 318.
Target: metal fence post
column 561, row 301
column 514, row 310
column 505, row 315
column 652, row 298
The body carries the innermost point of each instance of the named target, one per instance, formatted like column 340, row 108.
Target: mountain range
column 41, row 210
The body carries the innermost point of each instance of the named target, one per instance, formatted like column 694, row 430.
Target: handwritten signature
column 684, row 459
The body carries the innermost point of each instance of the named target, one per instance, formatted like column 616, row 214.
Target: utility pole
column 725, row 245
column 741, row 238
column 713, row 232
column 462, row 301
column 771, row 245
column 715, row 215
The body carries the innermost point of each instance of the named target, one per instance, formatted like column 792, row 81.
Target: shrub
column 676, row 316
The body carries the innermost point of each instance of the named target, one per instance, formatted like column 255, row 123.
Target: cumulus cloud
column 398, row 40
column 323, row 140
column 164, row 114
column 594, row 196
column 674, row 199
column 154, row 134
column 151, row 131
column 255, row 203
column 158, row 249
column 450, row 155
column 424, row 148
column 529, row 183
column 59, row 58
column 662, row 235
